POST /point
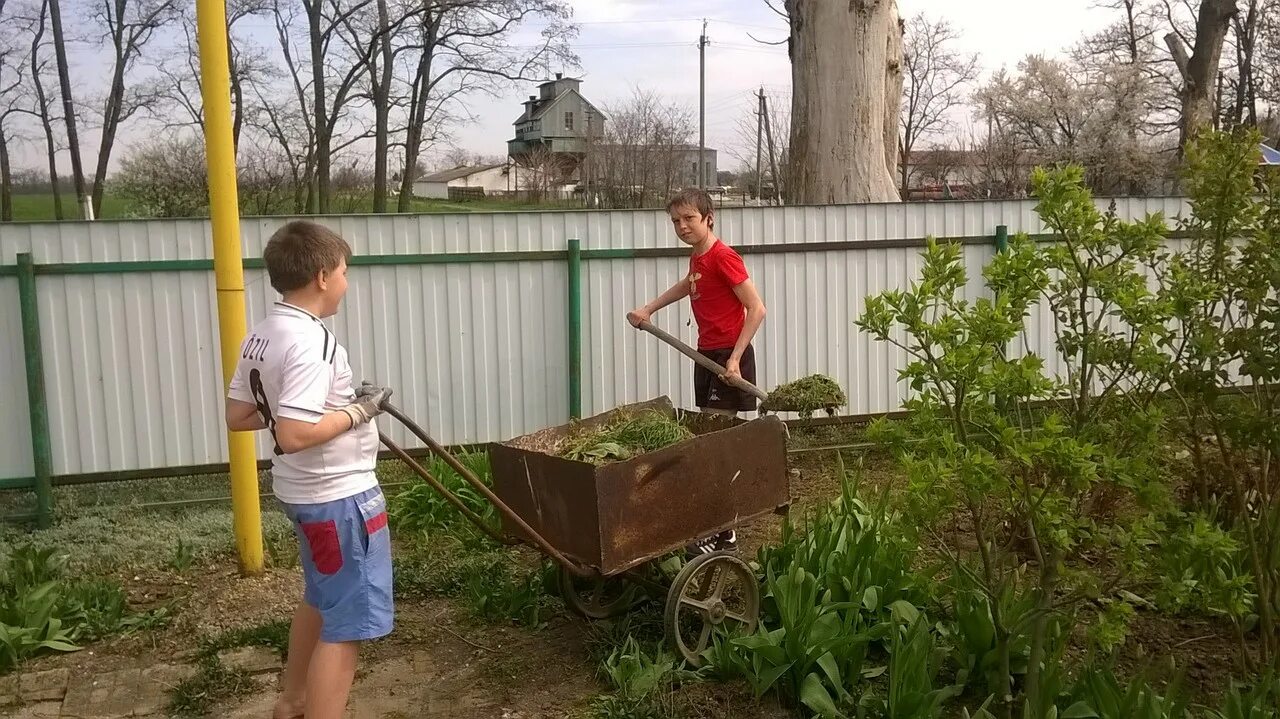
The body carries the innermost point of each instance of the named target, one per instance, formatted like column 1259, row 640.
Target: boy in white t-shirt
column 293, row 380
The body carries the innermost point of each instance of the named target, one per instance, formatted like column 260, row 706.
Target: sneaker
column 726, row 541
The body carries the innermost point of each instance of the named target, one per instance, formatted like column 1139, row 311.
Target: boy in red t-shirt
column 728, row 310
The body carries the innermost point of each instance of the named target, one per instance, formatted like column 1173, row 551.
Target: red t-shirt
column 719, row 312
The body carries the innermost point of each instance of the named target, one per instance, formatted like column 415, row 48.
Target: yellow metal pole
column 228, row 267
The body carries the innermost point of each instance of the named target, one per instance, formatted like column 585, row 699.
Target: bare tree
column 1267, row 69
column 642, row 152
column 1199, row 70
column 461, row 157
column 287, row 125
column 68, row 108
column 43, row 104
column 370, row 38
column 1245, row 39
column 935, row 80
column 268, row 180
column 129, row 25
column 12, row 65
column 331, row 101
column 541, row 171
column 469, row 46
column 291, row 125
column 179, row 70
column 845, row 96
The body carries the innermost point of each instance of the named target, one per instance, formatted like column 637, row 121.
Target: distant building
column 560, row 136
column 558, row 120
column 491, row 179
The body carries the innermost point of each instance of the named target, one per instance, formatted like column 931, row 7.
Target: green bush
column 420, row 508
column 41, row 610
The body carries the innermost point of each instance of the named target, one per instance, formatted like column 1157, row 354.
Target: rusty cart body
column 606, row 525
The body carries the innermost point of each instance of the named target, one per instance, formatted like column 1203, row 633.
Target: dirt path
column 431, row 669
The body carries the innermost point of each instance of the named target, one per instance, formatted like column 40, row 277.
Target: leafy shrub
column 859, row 555
column 1028, row 467
column 1260, row 701
column 42, row 611
column 913, row 669
column 420, row 508
column 494, row 593
column 643, row 683
column 1098, row 694
column 833, row 592
column 1225, row 291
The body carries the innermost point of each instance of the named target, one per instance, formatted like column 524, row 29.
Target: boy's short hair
column 299, row 251
column 694, row 197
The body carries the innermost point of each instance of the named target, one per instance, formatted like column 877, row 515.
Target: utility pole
column 702, row 106
column 773, row 160
column 759, row 134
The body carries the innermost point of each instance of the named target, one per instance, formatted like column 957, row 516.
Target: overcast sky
column 652, row 44
column 615, row 55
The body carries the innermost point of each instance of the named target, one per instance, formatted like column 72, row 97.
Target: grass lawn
column 33, row 208
column 39, row 207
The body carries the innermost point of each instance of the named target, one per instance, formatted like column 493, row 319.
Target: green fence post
column 575, row 329
column 1002, row 238
column 41, row 451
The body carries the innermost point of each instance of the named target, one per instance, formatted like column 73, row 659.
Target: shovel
column 703, row 360
column 720, row 371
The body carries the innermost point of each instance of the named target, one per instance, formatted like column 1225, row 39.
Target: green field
column 39, row 207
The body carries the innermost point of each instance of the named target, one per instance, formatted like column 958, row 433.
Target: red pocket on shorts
column 326, row 552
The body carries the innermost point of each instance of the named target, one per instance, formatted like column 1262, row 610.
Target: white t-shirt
column 292, row 366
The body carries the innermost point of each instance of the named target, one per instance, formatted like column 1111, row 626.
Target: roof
column 1270, row 156
column 458, row 172
column 541, row 107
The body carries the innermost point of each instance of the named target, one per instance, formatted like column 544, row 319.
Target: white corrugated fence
column 474, row 342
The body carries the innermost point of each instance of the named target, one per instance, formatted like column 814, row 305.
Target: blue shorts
column 345, row 548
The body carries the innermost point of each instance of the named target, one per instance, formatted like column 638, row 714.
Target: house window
column 568, row 121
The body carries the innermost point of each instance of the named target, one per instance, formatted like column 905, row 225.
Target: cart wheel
column 595, row 598
column 715, row 590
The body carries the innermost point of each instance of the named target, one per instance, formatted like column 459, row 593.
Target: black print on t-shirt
column 264, row 409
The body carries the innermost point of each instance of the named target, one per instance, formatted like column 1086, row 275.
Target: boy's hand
column 636, row 316
column 369, row 403
column 733, row 371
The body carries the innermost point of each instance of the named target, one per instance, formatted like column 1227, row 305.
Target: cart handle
column 703, row 360
column 482, row 488
column 450, row 497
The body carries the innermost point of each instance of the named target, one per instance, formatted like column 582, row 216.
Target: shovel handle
column 702, row 359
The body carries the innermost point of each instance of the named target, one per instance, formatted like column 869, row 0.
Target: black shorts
column 711, row 392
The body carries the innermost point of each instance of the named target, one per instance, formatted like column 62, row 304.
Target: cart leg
column 714, row 592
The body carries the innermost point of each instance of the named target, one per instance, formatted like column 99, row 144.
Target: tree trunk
column 46, row 122
column 319, row 105
column 418, row 117
column 840, row 104
column 904, row 169
column 1200, row 69
column 237, row 96
column 382, row 112
column 6, row 181
column 893, row 81
column 110, row 123
column 68, row 106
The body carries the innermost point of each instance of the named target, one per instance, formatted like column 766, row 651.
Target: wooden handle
column 703, row 360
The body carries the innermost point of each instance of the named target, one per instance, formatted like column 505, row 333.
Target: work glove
column 370, row 399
